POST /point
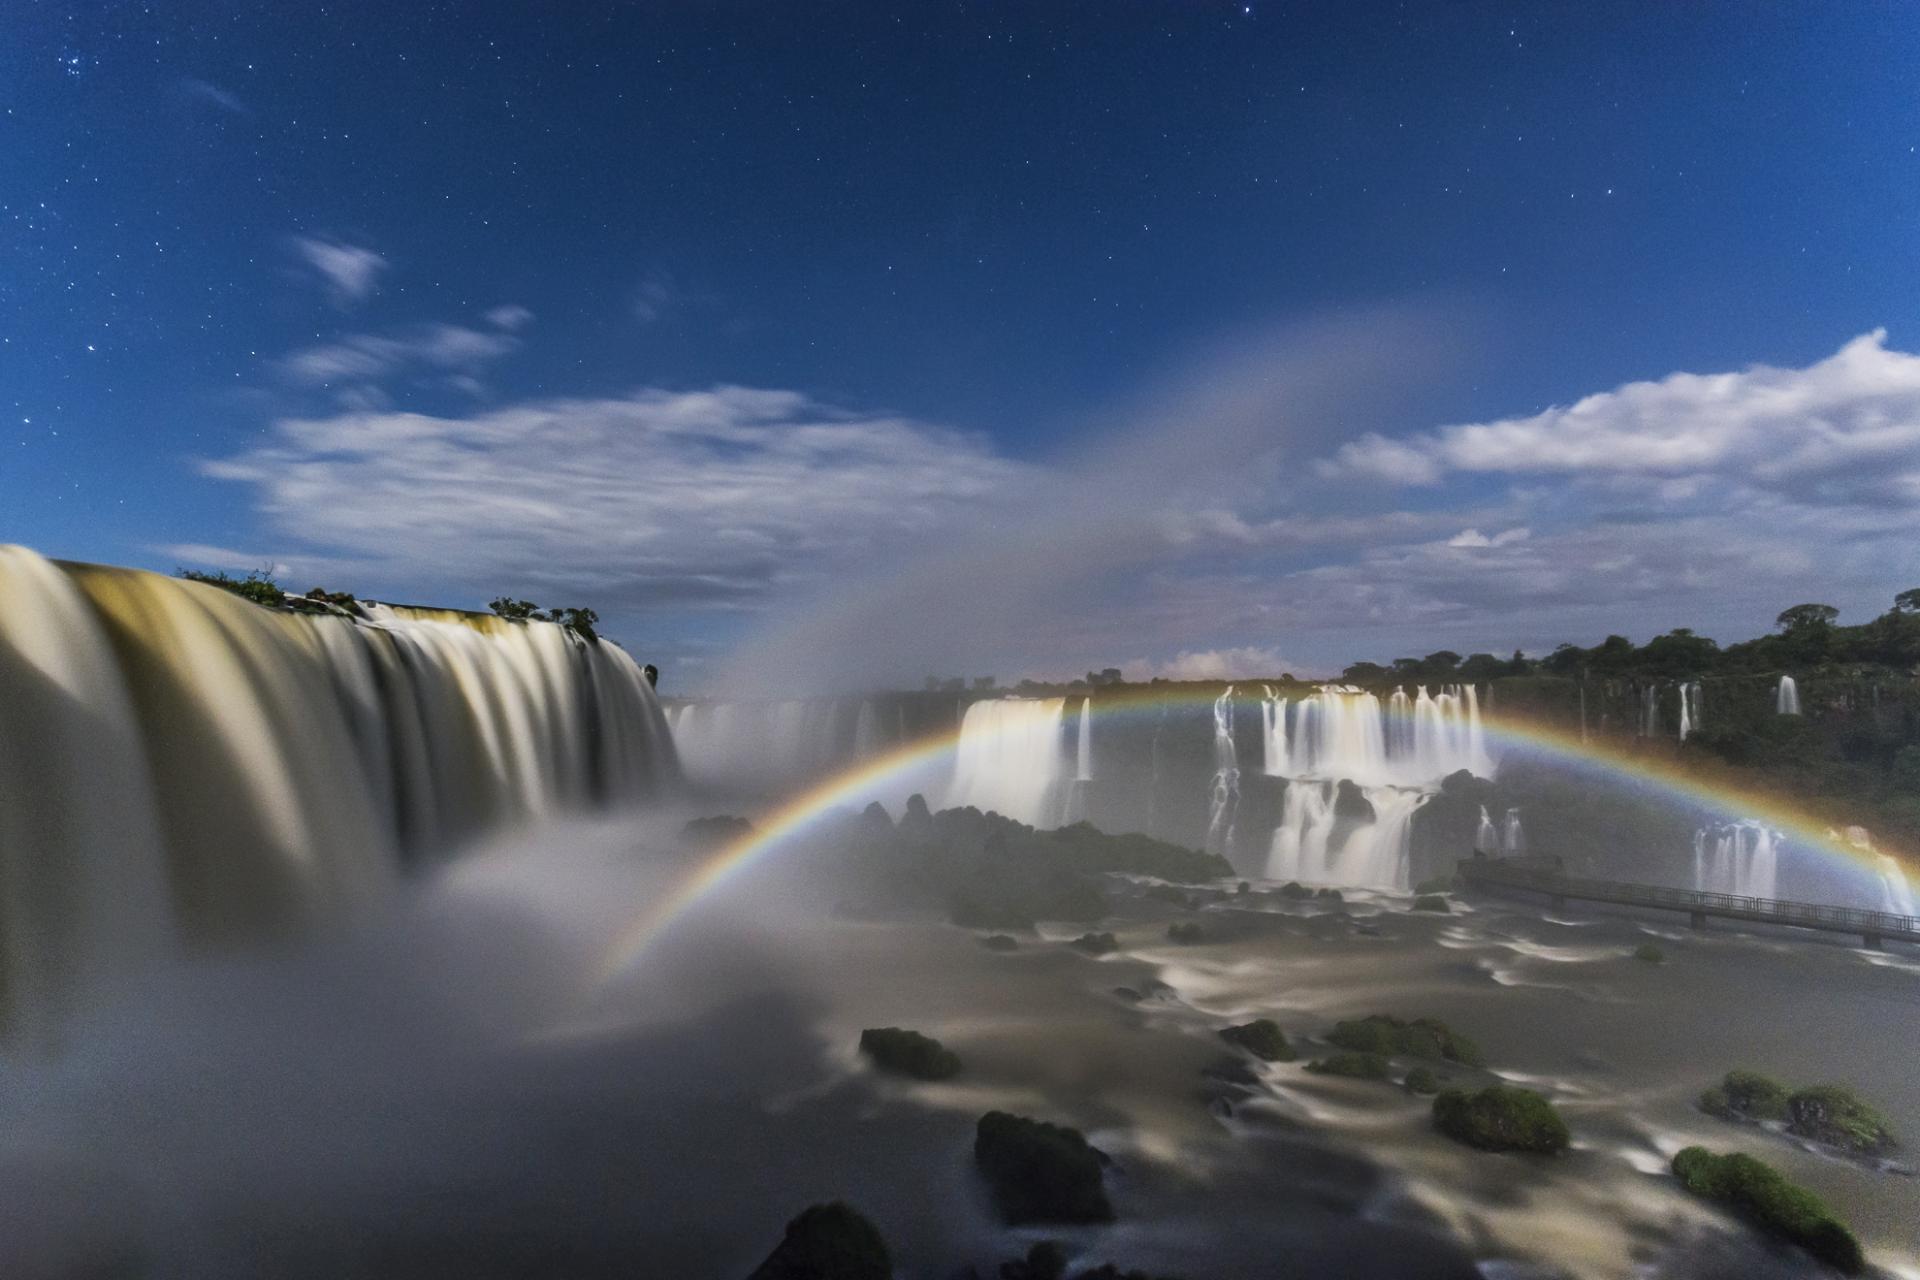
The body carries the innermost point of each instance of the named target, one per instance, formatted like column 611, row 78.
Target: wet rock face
column 1040, row 1172
column 828, row 1242
column 1833, row 1115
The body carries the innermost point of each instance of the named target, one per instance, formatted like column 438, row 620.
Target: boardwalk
column 1872, row 927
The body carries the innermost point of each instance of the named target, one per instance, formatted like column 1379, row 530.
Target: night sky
column 703, row 313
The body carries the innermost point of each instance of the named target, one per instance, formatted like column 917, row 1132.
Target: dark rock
column 1000, row 942
column 1186, row 932
column 828, row 1242
column 1040, row 1172
column 1501, row 1118
column 1650, row 953
column 1352, row 803
column 1421, row 1080
column 909, row 1053
column 1262, row 1038
column 1095, row 944
column 1045, row 1261
column 1355, row 1066
column 1432, row 902
column 1830, row 1113
column 1746, row 1095
column 1758, row 1193
column 1295, row 890
column 1421, row 1038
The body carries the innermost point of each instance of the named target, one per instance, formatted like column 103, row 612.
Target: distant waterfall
column 1011, row 759
column 1083, row 755
column 1786, row 698
column 1737, row 857
column 180, row 766
column 1689, row 699
column 1486, row 837
column 1513, row 838
column 1893, row 884
column 776, row 746
column 1650, row 712
column 1224, row 797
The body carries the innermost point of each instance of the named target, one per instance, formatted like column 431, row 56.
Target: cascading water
column 772, row 747
column 1786, row 698
column 1083, row 755
column 1689, row 699
column 1896, row 894
column 1486, row 837
column 1396, row 755
column 183, row 767
column 1513, row 838
column 1737, row 857
column 1011, row 760
column 1223, row 799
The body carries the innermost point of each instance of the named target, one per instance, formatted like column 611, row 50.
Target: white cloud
column 654, row 297
column 367, row 357
column 510, row 317
column 1475, row 538
column 1244, row 663
column 214, row 94
column 651, row 502
column 349, row 272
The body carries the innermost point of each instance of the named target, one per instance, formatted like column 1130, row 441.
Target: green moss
column 828, row 1242
column 909, row 1053
column 1421, row 1080
column 1039, row 1172
column 1832, row 1114
column 258, row 586
column 1431, row 902
column 1186, row 932
column 1262, row 1038
column 1421, row 1038
column 1096, row 944
column 1501, row 1118
column 1758, row 1193
column 1746, row 1095
column 1650, row 953
column 1355, row 1066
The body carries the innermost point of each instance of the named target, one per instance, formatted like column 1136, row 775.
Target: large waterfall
column 1393, row 757
column 1011, row 759
column 1786, row 698
column 182, row 767
column 1737, row 857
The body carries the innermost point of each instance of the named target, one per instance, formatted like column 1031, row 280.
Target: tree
column 1364, row 673
column 258, row 586
column 1907, row 601
column 514, row 610
column 1806, row 617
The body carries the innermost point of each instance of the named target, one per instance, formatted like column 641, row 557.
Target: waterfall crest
column 1737, row 857
column 1012, row 760
column 1786, row 698
column 184, row 767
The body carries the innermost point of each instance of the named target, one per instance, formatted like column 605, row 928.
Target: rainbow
column 858, row 784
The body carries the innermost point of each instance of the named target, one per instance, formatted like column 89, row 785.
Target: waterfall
column 1486, row 837
column 1513, row 840
column 1786, row 698
column 183, row 767
column 1650, row 712
column 1583, row 711
column 1083, row 755
column 1898, row 893
column 1010, row 759
column 772, row 747
column 1737, row 857
column 866, row 731
column 1689, row 697
column 1299, row 850
column 1223, row 797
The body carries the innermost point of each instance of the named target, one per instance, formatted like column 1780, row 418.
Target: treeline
column 1805, row 635
column 260, row 587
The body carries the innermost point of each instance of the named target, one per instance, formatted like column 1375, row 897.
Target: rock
column 1294, row 889
column 1095, row 944
column 1045, row 1261
column 1830, row 1113
column 1262, row 1038
column 1432, row 902
column 1355, row 1066
column 1421, row 1038
column 1501, row 1118
column 909, row 1053
column 1421, row 1080
column 1329, row 895
column 828, row 1242
column 1746, row 1095
column 1167, row 893
column 1040, row 1172
column 1352, row 803
column 874, row 820
column 1000, row 942
column 1756, row 1192
column 1650, row 953
column 1186, row 932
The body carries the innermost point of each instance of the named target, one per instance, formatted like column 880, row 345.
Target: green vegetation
column 1262, row 1038
column 1355, row 1066
column 258, row 586
column 1096, row 944
column 1040, row 1172
column 1421, row 1080
column 908, row 1053
column 514, row 610
column 1832, row 1114
column 1431, row 902
column 1421, row 1038
column 1500, row 1118
column 581, row 621
column 1650, row 952
column 828, row 1242
column 1757, row 1193
column 1000, row 942
column 1186, row 932
column 1746, row 1095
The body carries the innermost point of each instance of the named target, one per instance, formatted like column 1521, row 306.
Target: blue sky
column 714, row 315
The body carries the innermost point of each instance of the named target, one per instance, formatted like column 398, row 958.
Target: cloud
column 349, row 272
column 214, row 94
column 364, row 358
column 510, row 317
column 1475, row 538
column 1210, row 664
column 645, row 504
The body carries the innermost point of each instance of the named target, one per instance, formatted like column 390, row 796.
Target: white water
column 1737, row 857
column 1896, row 894
column 1011, row 760
column 1513, row 839
column 1083, row 756
column 1786, row 698
column 1223, row 796
column 1486, row 837
column 1689, row 698
column 183, row 767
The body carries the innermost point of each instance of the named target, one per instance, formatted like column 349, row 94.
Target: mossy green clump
column 1650, row 953
column 1421, row 1038
column 828, row 1242
column 1354, row 1066
column 258, row 586
column 1746, row 1095
column 1096, row 944
column 1186, row 932
column 1262, row 1038
column 1000, row 942
column 1421, row 1080
column 1040, row 1172
column 1501, row 1118
column 1758, row 1193
column 1833, row 1114
column 909, row 1053
column 1432, row 902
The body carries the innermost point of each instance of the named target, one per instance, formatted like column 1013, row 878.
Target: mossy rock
column 1832, row 1114
column 1040, row 1172
column 1242, row 889
column 1096, row 944
column 1329, row 895
column 1421, row 1038
column 1354, row 1066
column 1186, row 932
column 1000, row 942
column 1167, row 893
column 1650, row 953
column 1432, row 902
column 1295, row 890
column 1746, row 1095
column 1756, row 1192
column 1501, row 1118
column 908, row 1053
column 1262, row 1038
column 828, row 1242
column 1421, row 1080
